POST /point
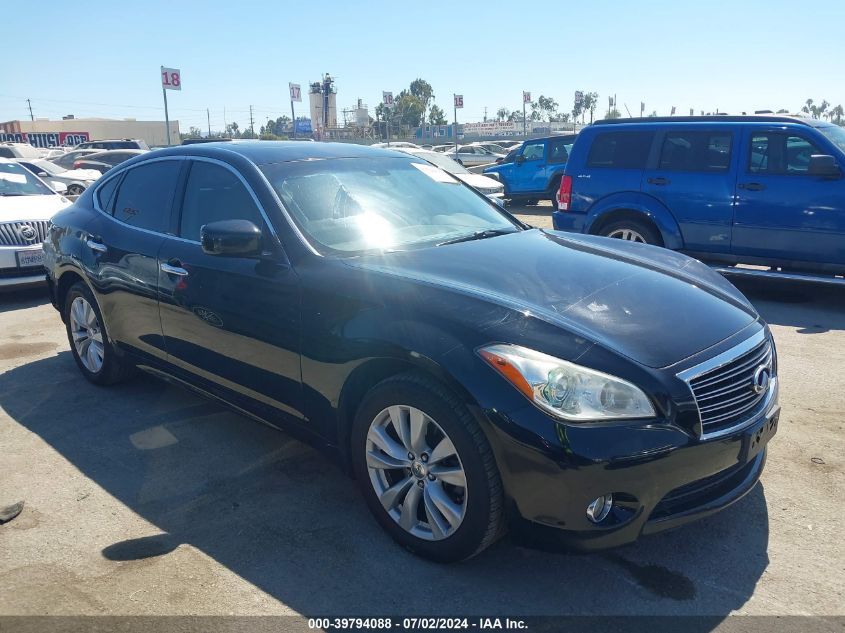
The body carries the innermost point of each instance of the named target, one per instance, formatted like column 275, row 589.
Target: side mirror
column 42, row 174
column 58, row 187
column 823, row 165
column 519, row 158
column 231, row 238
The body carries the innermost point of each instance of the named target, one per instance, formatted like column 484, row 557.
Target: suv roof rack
column 719, row 118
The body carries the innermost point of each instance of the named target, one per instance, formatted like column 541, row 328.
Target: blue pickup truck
column 760, row 190
column 533, row 172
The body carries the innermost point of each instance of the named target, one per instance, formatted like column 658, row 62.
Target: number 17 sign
column 171, row 78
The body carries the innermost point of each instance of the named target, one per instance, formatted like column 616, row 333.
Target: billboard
column 303, row 126
column 46, row 139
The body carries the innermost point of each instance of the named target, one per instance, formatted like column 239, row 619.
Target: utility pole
column 251, row 123
column 208, row 118
column 485, row 114
column 225, row 125
column 31, row 116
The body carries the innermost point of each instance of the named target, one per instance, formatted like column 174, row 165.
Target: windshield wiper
column 478, row 235
column 10, row 193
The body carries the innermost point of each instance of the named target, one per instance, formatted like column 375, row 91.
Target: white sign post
column 459, row 103
column 387, row 100
column 295, row 95
column 171, row 79
column 526, row 98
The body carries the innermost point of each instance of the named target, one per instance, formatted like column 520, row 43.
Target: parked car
column 491, row 147
column 396, row 145
column 49, row 153
column 75, row 180
column 109, row 144
column 413, row 328
column 765, row 190
column 535, row 170
column 67, row 160
column 509, row 145
column 104, row 161
column 472, row 156
column 26, row 206
column 18, row 150
column 490, row 187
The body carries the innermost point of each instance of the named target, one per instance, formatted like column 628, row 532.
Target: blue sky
column 741, row 55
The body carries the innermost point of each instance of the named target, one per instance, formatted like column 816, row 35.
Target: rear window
column 696, row 151
column 620, row 150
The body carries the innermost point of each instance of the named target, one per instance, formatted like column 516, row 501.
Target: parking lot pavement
column 145, row 499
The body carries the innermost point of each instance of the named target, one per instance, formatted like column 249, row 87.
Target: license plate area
column 30, row 258
column 756, row 439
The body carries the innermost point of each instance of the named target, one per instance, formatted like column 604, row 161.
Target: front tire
column 75, row 190
column 426, row 469
column 90, row 345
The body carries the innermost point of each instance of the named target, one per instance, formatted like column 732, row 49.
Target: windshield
column 442, row 161
column 47, row 166
column 349, row 206
column 836, row 134
column 16, row 180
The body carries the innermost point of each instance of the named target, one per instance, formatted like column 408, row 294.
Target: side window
column 214, row 193
column 696, row 151
column 620, row 150
column 533, row 151
column 780, row 154
column 559, row 151
column 6, row 152
column 105, row 194
column 145, row 195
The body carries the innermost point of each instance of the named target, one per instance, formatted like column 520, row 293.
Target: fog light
column 600, row 508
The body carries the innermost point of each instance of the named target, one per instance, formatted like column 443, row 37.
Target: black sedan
column 470, row 371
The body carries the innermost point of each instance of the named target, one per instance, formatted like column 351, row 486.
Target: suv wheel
column 632, row 231
column 426, row 470
column 89, row 342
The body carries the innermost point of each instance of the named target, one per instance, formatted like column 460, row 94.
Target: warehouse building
column 71, row 131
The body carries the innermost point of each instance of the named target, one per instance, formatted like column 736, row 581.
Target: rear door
column 693, row 177
column 782, row 211
column 231, row 321
column 529, row 171
column 123, row 243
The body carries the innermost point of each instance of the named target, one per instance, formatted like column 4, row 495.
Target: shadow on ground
column 287, row 520
column 11, row 300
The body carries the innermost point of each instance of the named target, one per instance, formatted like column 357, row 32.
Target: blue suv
column 763, row 190
column 535, row 169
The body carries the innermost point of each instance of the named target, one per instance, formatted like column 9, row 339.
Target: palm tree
column 837, row 113
column 808, row 108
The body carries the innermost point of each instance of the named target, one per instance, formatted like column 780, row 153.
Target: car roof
column 717, row 118
column 264, row 152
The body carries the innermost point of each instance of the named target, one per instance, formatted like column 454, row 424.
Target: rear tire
column 553, row 190
column 90, row 344
column 447, row 463
column 633, row 231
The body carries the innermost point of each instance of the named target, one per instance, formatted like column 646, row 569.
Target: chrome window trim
column 721, row 360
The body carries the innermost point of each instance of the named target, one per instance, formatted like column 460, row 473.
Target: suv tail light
column 564, row 196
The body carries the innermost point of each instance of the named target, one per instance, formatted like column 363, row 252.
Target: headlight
column 565, row 389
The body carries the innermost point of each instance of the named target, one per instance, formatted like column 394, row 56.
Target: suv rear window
column 621, row 150
column 696, row 151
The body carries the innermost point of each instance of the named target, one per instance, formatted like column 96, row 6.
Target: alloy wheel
column 627, row 234
column 416, row 472
column 87, row 334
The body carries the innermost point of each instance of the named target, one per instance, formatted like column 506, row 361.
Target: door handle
column 751, row 186
column 658, row 181
column 173, row 267
column 96, row 245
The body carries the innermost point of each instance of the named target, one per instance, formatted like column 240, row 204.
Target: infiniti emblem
column 27, row 233
column 760, row 381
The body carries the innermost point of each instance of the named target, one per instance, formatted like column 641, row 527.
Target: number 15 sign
column 171, row 79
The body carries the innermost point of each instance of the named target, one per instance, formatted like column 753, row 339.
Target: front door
column 231, row 321
column 123, row 243
column 694, row 179
column 782, row 211
column 530, row 168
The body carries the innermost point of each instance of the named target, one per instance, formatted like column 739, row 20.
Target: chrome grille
column 10, row 232
column 725, row 393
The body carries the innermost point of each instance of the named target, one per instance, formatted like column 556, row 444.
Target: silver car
column 490, row 187
column 472, row 155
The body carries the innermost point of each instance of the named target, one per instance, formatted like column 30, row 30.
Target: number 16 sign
column 171, row 79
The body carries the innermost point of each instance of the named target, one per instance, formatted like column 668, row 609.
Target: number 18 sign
column 171, row 79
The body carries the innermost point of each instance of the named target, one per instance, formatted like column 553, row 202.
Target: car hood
column 18, row 208
column 479, row 182
column 655, row 306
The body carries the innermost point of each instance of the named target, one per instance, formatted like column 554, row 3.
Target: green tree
column 436, row 116
column 502, row 114
column 614, row 114
column 591, row 102
column 836, row 114
column 423, row 91
column 547, row 106
column 232, row 130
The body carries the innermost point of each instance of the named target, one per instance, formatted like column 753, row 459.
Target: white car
column 397, row 145
column 490, row 187
column 26, row 206
column 472, row 155
column 76, row 180
column 10, row 149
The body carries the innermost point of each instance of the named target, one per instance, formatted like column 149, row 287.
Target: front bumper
column 13, row 277
column 660, row 476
